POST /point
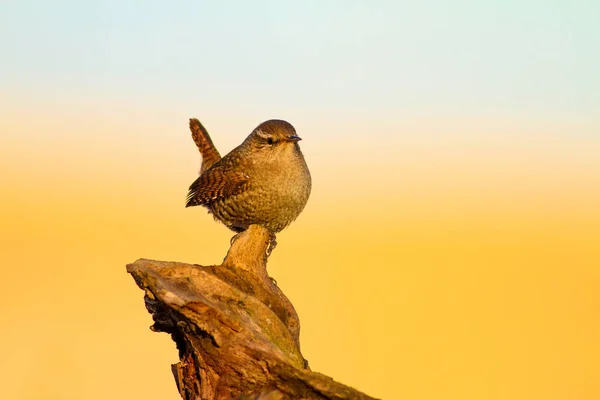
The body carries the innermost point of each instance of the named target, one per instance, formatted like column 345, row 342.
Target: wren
column 264, row 181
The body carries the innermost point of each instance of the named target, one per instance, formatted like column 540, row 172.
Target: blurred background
column 451, row 246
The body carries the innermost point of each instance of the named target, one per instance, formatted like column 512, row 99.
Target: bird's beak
column 294, row 138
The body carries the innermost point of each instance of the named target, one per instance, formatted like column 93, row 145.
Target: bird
column 263, row 181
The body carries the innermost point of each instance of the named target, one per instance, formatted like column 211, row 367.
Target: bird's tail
column 207, row 149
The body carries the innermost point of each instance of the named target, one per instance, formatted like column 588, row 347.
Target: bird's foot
column 272, row 244
column 233, row 238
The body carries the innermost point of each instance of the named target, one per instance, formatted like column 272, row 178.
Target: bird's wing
column 216, row 183
column 207, row 149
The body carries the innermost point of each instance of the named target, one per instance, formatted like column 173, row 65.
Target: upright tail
column 207, row 149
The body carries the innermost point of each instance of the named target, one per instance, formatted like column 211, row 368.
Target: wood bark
column 236, row 332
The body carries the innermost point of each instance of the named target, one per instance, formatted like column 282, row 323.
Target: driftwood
column 236, row 332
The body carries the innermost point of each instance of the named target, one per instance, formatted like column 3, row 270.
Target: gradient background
column 451, row 246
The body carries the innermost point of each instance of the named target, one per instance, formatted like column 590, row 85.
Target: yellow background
column 423, row 266
column 446, row 252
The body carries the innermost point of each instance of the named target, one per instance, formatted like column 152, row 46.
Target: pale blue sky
column 530, row 55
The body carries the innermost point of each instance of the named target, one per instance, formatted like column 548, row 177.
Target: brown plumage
column 207, row 149
column 263, row 181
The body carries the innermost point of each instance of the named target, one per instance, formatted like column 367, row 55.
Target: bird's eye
column 270, row 140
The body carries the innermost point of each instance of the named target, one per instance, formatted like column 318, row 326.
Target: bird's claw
column 272, row 244
column 233, row 238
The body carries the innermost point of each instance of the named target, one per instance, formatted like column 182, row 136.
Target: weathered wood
column 237, row 333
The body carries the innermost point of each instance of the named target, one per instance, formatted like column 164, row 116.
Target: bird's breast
column 286, row 181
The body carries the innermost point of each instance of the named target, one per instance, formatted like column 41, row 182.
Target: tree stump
column 236, row 332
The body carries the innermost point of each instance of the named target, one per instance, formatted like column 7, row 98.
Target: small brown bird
column 263, row 181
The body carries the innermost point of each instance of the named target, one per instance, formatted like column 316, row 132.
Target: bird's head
column 274, row 136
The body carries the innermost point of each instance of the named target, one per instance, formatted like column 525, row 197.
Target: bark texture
column 236, row 332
